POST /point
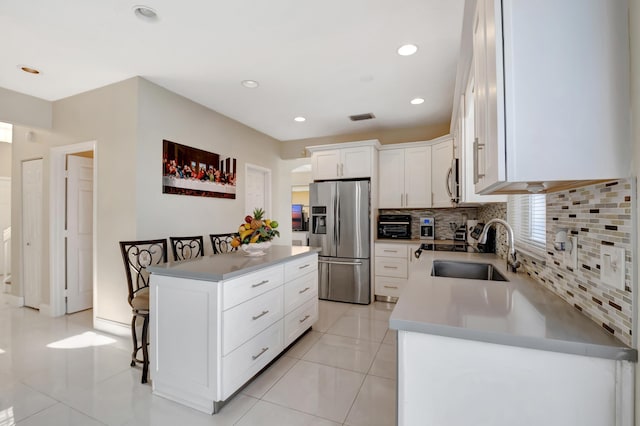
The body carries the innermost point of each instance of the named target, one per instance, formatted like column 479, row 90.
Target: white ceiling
column 324, row 60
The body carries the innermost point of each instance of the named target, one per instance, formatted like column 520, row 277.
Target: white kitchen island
column 216, row 321
column 475, row 352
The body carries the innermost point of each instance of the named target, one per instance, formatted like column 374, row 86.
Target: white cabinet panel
column 551, row 106
column 296, row 322
column 417, row 177
column 356, row 162
column 343, row 161
column 243, row 288
column 300, row 290
column 441, row 158
column 391, row 250
column 326, row 164
column 391, row 178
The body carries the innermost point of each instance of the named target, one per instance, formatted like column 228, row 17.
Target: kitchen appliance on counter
column 397, row 226
column 427, row 228
column 340, row 227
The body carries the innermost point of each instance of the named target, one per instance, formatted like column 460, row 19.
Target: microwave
column 394, row 226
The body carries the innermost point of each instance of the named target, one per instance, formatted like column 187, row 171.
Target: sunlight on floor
column 84, row 340
column 6, row 417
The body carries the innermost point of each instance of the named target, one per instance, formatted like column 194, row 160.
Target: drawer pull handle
column 391, row 286
column 304, row 266
column 391, row 251
column 263, row 282
column 260, row 315
column 391, row 267
column 302, row 291
column 254, row 357
column 306, row 317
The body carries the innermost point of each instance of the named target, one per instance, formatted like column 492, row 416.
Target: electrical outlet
column 612, row 266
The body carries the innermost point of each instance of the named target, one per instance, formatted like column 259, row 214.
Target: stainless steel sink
column 466, row 270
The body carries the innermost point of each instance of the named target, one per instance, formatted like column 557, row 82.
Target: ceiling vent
column 360, row 117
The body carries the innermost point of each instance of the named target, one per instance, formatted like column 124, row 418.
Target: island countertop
column 220, row 267
column 520, row 312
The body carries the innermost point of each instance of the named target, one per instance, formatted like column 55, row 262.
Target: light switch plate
column 612, row 266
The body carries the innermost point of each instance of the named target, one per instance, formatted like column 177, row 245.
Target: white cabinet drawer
column 299, row 320
column 243, row 363
column 300, row 290
column 238, row 290
column 244, row 321
column 391, row 250
column 300, row 266
column 391, row 267
column 389, row 286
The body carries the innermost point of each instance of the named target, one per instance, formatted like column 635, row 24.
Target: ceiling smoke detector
column 360, row 117
column 145, row 13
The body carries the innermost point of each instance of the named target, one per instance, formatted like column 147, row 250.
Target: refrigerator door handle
column 337, row 216
column 334, row 262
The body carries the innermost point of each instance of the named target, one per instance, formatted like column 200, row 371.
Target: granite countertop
column 220, row 267
column 520, row 312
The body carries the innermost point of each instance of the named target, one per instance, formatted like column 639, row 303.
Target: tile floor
column 62, row 372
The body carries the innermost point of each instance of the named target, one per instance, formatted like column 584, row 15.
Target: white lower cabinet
column 395, row 267
column 244, row 362
column 450, row 381
column 208, row 338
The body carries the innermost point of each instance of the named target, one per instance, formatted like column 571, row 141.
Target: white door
column 5, row 221
column 355, row 162
column 258, row 189
column 326, row 164
column 32, row 231
column 79, row 233
column 391, row 193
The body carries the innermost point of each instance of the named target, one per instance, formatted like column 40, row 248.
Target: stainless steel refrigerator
column 340, row 226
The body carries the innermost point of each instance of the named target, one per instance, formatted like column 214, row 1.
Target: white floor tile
column 269, row 377
column 304, row 344
column 391, row 338
column 343, row 352
column 267, row 414
column 317, row 389
column 359, row 328
column 378, row 310
column 385, row 363
column 17, row 402
column 58, row 414
column 328, row 314
column 375, row 404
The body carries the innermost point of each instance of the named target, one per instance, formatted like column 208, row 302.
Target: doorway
column 73, row 228
column 257, row 189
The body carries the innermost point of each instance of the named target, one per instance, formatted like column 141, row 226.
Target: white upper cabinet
column 343, row 161
column 441, row 174
column 551, row 93
column 405, row 176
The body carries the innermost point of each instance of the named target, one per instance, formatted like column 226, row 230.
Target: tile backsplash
column 598, row 215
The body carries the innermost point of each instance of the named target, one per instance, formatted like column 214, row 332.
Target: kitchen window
column 527, row 216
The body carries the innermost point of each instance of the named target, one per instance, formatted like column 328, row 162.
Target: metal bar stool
column 221, row 243
column 137, row 256
column 184, row 248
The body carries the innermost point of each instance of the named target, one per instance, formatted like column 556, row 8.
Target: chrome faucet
column 512, row 262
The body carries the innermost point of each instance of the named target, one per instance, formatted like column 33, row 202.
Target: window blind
column 527, row 216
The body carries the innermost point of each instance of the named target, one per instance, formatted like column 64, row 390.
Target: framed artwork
column 192, row 171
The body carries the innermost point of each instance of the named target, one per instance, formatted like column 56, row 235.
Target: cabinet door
column 391, row 178
column 326, row 164
column 480, row 97
column 355, row 162
column 441, row 157
column 417, row 176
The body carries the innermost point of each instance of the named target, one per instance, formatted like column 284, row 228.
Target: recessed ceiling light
column 145, row 13
column 300, row 119
column 250, row 84
column 417, row 101
column 407, row 50
column 30, row 70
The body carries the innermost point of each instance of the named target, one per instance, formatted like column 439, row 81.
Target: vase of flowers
column 255, row 234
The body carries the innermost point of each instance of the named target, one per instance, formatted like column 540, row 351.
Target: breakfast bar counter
column 217, row 321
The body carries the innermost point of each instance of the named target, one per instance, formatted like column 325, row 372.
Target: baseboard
column 13, row 300
column 45, row 309
column 112, row 327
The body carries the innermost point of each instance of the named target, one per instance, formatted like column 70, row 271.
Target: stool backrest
column 184, row 248
column 137, row 256
column 221, row 243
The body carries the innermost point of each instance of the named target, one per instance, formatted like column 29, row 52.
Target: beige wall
column 5, row 159
column 18, row 108
column 295, row 148
column 108, row 116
